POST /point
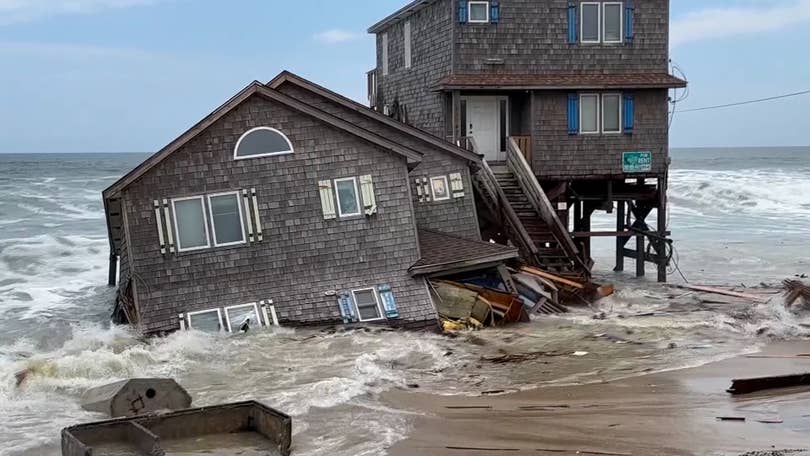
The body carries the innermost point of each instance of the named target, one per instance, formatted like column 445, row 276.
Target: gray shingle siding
column 303, row 257
column 432, row 53
column 532, row 38
column 456, row 216
column 558, row 155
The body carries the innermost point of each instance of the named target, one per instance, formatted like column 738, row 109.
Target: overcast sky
column 131, row 75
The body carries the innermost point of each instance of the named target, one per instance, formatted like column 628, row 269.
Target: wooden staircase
column 512, row 193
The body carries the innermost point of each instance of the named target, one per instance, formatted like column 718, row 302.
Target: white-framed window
column 439, row 188
column 611, row 113
column 589, row 113
column 205, row 320
column 406, row 32
column 478, row 12
column 190, row 223
column 589, row 22
column 367, row 304
column 242, row 315
column 262, row 142
column 612, row 24
column 227, row 222
column 348, row 198
column 384, row 44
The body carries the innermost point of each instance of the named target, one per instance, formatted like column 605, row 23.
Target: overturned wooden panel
column 750, row 385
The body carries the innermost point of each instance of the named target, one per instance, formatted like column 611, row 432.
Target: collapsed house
column 291, row 205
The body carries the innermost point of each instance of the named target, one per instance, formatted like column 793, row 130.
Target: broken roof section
column 400, row 14
column 445, row 253
column 559, row 81
column 385, row 123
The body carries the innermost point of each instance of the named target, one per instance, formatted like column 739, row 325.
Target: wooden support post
column 578, row 215
column 662, row 228
column 112, row 279
column 620, row 242
column 640, row 239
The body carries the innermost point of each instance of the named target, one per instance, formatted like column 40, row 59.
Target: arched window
column 262, row 142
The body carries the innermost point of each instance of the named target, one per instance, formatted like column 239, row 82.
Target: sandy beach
column 669, row 413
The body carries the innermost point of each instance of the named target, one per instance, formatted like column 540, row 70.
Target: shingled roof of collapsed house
column 559, row 81
column 444, row 252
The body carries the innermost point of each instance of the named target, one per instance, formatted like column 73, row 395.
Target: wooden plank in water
column 720, row 291
column 750, row 385
column 552, row 277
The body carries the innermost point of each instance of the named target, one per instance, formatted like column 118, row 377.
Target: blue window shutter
column 573, row 114
column 462, row 11
column 495, row 12
column 346, row 308
column 629, row 19
column 572, row 23
column 388, row 302
column 629, row 113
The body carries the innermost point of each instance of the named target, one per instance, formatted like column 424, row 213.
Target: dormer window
column 262, row 142
column 479, row 12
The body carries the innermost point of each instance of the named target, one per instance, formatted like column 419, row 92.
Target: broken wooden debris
column 553, row 277
column 467, row 306
column 522, row 357
column 795, row 289
column 731, row 418
column 720, row 291
column 750, row 385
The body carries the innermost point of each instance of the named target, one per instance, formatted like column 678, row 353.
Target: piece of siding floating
column 248, row 216
column 327, row 200
column 367, row 190
column 159, row 221
column 169, row 226
column 457, row 185
column 259, row 236
column 388, row 302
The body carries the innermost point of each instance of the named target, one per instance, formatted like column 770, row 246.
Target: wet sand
column 669, row 413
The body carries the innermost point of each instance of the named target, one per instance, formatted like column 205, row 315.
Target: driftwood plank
column 720, row 291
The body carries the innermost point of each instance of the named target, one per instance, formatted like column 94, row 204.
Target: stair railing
column 489, row 188
column 517, row 163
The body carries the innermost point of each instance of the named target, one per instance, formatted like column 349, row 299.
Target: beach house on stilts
column 567, row 102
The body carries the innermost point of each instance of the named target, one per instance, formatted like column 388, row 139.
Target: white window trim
column 200, row 312
column 376, row 301
column 270, row 154
column 242, row 306
column 356, row 197
column 407, row 32
column 469, row 12
column 214, row 225
column 581, row 111
column 602, row 109
column 446, row 187
column 177, row 226
column 385, row 62
column 598, row 23
column 621, row 23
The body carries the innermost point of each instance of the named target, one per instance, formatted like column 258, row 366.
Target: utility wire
column 760, row 100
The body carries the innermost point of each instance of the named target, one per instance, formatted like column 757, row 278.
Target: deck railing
column 524, row 143
column 519, row 166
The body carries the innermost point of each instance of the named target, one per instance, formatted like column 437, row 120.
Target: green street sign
column 637, row 162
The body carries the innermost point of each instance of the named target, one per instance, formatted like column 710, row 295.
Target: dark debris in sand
column 778, row 453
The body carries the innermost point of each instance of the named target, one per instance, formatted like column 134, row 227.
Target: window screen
column 589, row 112
column 367, row 307
column 613, row 22
column 611, row 113
column 479, row 11
column 261, row 142
column 189, row 215
column 226, row 218
column 590, row 22
column 208, row 321
column 348, row 203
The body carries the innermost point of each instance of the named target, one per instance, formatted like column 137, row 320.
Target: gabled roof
column 287, row 77
column 443, row 252
column 400, row 14
column 559, row 81
column 257, row 88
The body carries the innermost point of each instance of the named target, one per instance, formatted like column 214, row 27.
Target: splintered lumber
column 552, row 277
column 750, row 385
column 794, row 290
column 720, row 291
